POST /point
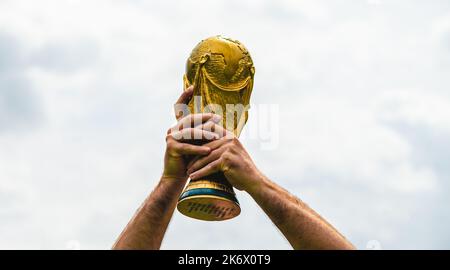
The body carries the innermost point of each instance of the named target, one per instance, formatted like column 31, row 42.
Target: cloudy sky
column 361, row 134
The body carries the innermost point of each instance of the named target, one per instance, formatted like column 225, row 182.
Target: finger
column 194, row 133
column 214, row 127
column 194, row 159
column 190, row 149
column 218, row 143
column 193, row 120
column 207, row 170
column 210, row 125
column 203, row 161
column 180, row 107
column 186, row 96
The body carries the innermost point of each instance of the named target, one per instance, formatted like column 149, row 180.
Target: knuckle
column 176, row 136
column 226, row 157
column 235, row 140
column 170, row 144
column 227, row 162
column 230, row 145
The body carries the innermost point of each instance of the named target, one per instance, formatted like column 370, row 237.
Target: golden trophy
column 222, row 73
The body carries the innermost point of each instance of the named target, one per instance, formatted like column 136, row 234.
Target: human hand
column 183, row 140
column 229, row 156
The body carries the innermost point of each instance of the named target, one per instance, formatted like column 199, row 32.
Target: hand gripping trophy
column 222, row 73
column 219, row 76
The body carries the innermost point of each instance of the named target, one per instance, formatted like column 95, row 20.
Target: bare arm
column 146, row 229
column 302, row 227
column 148, row 226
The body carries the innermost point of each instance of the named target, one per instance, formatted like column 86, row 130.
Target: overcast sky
column 362, row 130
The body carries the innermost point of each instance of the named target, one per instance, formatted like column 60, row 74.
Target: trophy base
column 208, row 200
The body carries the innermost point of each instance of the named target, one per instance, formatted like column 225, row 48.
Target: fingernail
column 192, row 176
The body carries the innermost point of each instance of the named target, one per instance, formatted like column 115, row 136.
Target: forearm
column 148, row 226
column 302, row 226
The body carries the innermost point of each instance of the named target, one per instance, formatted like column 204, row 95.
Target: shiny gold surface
column 208, row 208
column 222, row 73
column 208, row 184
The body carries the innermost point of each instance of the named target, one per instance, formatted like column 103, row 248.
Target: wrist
column 175, row 183
column 257, row 184
column 168, row 188
column 163, row 198
column 173, row 178
column 173, row 175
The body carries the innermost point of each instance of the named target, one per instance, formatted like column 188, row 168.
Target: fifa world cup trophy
column 222, row 73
